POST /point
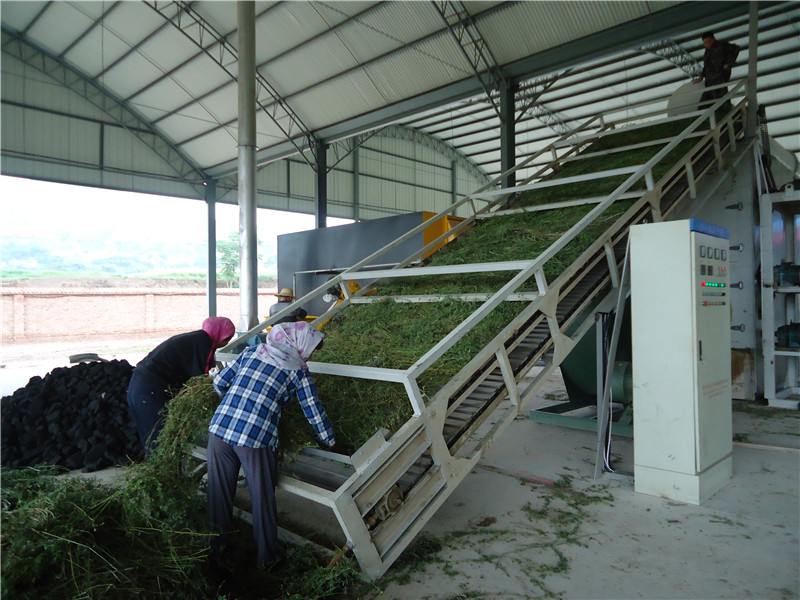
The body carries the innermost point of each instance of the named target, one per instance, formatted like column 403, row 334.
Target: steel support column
column 248, row 246
column 211, row 272
column 507, row 134
column 454, row 182
column 321, row 212
column 356, row 183
column 752, row 71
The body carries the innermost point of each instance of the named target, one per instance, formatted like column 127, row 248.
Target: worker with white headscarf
column 244, row 429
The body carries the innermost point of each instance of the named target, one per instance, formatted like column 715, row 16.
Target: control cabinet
column 681, row 342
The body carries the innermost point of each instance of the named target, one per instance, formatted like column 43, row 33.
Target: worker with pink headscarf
column 171, row 364
column 244, row 429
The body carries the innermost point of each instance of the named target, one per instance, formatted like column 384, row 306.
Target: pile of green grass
column 73, row 537
column 392, row 335
column 145, row 538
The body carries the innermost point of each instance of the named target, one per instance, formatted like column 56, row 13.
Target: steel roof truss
column 193, row 26
column 463, row 27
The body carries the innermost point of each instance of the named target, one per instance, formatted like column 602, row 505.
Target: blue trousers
column 146, row 402
column 261, row 473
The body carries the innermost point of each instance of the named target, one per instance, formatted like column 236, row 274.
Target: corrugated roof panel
column 291, row 23
column 97, row 51
column 307, row 65
column 18, row 15
column 268, row 133
column 184, row 126
column 131, row 74
column 336, row 100
column 417, row 69
column 197, row 77
column 59, row 25
column 390, row 26
column 212, row 148
column 222, row 15
column 528, row 27
column 221, row 105
column 132, row 22
column 166, row 49
column 151, row 104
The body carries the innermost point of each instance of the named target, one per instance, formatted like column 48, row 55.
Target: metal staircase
column 389, row 488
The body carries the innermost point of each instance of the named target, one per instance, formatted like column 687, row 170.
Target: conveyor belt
column 395, row 483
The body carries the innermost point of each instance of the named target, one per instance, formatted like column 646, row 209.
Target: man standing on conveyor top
column 718, row 61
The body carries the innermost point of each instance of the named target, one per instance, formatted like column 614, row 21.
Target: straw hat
column 286, row 292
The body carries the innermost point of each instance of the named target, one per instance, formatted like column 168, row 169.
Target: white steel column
column 211, row 269
column 248, row 250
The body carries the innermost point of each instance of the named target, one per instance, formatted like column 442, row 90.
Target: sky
column 36, row 211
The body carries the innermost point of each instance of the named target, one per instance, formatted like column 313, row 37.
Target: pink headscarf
column 220, row 330
column 289, row 345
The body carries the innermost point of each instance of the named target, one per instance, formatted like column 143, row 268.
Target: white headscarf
column 289, row 345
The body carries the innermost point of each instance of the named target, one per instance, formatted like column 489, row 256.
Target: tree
column 228, row 258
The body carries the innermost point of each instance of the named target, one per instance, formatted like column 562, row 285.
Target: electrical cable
column 608, row 414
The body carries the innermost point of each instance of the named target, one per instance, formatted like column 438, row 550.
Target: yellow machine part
column 434, row 230
column 430, row 233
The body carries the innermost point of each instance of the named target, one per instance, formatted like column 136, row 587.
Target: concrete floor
column 504, row 538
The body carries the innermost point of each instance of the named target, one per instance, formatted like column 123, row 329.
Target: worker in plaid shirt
column 244, row 428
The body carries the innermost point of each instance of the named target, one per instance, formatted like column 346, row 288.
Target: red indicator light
column 704, row 283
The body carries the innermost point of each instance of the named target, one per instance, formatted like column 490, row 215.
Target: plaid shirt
column 253, row 394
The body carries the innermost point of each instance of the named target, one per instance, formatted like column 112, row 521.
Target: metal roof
column 329, row 70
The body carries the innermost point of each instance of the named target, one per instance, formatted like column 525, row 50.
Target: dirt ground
column 118, row 282
column 19, row 361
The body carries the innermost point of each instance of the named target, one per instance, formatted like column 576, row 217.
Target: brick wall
column 34, row 313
